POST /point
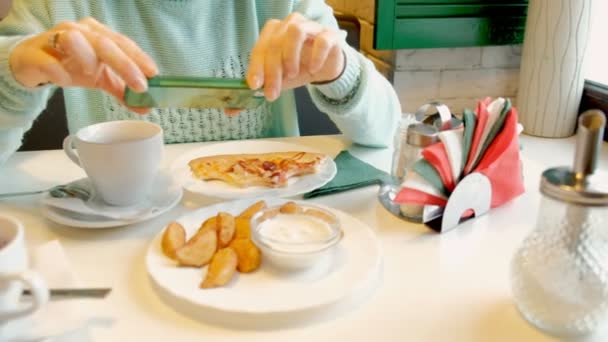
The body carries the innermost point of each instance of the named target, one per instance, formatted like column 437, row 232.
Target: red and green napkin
column 487, row 143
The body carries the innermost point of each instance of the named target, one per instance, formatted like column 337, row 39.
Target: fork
column 58, row 191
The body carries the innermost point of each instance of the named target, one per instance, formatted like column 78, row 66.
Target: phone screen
column 192, row 92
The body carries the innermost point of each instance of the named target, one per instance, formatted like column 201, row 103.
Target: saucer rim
column 54, row 214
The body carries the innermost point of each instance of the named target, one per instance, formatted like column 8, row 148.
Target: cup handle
column 39, row 290
column 68, row 148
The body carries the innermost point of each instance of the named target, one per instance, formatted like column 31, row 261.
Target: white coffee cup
column 15, row 275
column 121, row 158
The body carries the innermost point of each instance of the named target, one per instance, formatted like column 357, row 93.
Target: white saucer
column 353, row 271
column 165, row 195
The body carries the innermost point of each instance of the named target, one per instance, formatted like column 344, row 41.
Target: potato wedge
column 199, row 250
column 290, row 208
column 221, row 269
column 242, row 228
column 321, row 215
column 210, row 223
column 252, row 210
column 249, row 255
column 174, row 237
column 269, row 214
column 226, row 227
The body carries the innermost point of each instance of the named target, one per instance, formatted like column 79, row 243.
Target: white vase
column 552, row 70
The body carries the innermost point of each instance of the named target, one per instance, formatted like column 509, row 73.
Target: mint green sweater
column 198, row 38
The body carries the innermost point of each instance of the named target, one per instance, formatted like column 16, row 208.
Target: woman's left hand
column 295, row 52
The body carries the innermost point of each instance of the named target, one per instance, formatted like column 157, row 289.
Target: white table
column 451, row 287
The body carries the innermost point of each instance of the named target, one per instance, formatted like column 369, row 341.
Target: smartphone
column 195, row 92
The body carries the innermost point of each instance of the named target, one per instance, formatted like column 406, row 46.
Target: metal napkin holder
column 472, row 194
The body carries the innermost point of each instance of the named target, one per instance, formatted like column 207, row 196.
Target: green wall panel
column 407, row 24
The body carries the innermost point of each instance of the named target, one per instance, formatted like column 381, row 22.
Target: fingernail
column 141, row 84
column 274, row 94
column 255, row 80
column 314, row 68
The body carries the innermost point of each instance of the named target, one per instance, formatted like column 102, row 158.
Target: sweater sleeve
column 19, row 106
column 362, row 103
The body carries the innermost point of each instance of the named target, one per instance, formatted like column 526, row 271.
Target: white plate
column 164, row 196
column 219, row 189
column 352, row 269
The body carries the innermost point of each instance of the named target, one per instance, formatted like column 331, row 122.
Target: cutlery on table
column 59, row 191
column 76, row 293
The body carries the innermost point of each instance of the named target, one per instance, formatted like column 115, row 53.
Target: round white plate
column 352, row 269
column 164, row 196
column 219, row 189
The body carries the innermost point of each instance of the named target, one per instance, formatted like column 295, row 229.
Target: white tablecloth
column 451, row 287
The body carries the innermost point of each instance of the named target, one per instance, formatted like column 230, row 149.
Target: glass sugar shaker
column 410, row 142
column 415, row 132
column 559, row 276
column 419, row 136
column 399, row 144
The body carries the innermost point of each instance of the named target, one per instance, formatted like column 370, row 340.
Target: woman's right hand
column 83, row 54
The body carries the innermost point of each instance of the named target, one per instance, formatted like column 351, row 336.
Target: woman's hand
column 295, row 52
column 83, row 54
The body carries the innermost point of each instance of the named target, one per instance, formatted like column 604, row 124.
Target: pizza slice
column 264, row 169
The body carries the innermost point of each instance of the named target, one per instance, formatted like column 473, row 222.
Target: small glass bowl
column 292, row 255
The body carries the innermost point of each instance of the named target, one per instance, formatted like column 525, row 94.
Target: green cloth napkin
column 430, row 174
column 352, row 174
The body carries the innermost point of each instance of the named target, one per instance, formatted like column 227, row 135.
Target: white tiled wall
column 455, row 76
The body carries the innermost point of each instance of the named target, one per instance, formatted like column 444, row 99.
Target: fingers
column 119, row 52
column 255, row 74
column 138, row 110
column 296, row 35
column 291, row 47
column 276, row 55
column 115, row 86
column 232, row 111
column 294, row 52
column 51, row 71
column 110, row 82
column 273, row 71
column 335, row 68
column 83, row 46
column 111, row 54
column 76, row 46
column 128, row 46
column 282, row 60
column 323, row 44
column 83, row 54
column 25, row 63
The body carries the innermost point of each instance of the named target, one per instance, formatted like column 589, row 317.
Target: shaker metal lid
column 442, row 119
column 583, row 183
column 561, row 183
column 419, row 134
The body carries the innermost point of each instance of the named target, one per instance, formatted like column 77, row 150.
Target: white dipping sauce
column 285, row 229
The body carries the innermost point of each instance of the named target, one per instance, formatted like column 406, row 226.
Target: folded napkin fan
column 352, row 174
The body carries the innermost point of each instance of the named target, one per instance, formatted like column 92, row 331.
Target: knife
column 57, row 294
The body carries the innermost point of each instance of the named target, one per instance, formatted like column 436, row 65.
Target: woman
column 88, row 46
